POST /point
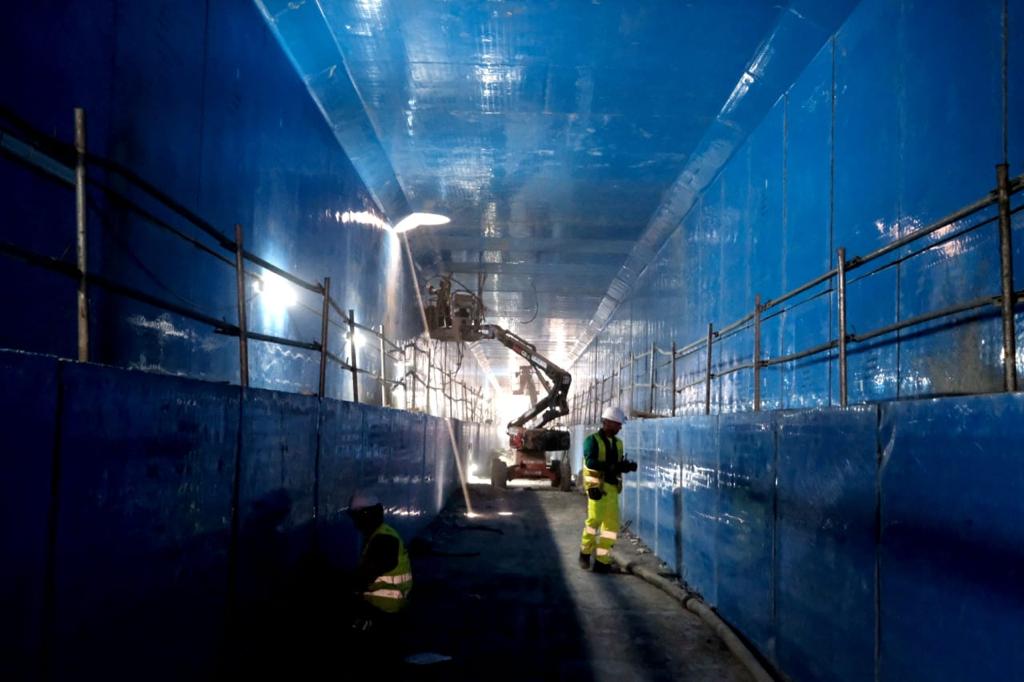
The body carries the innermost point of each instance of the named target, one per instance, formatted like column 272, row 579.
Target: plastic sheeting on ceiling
column 558, row 136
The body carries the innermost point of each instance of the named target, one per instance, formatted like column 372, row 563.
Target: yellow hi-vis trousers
column 602, row 525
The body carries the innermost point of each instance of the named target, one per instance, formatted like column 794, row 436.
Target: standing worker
column 603, row 465
column 383, row 577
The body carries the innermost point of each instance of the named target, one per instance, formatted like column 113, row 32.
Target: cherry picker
column 459, row 316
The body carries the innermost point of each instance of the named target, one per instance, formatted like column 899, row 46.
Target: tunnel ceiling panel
column 550, row 132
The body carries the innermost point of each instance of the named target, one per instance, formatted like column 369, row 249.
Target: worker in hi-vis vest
column 604, row 462
column 383, row 577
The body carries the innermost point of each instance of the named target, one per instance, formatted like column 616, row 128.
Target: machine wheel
column 565, row 475
column 553, row 467
column 499, row 473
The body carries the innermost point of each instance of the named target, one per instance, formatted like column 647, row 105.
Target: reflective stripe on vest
column 389, row 591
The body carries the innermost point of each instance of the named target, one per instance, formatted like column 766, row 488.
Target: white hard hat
column 362, row 500
column 614, row 414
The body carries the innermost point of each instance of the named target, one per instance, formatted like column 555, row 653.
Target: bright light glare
column 509, row 406
column 505, row 514
column 471, row 515
column 472, row 470
column 414, row 220
column 361, row 217
column 276, row 293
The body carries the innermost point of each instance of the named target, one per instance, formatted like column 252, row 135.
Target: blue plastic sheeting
column 313, row 50
column 805, row 383
column 644, row 448
column 200, row 100
column 147, row 465
column 836, row 163
column 162, row 485
column 836, row 566
column 276, row 486
column 414, row 458
column 746, row 525
column 952, row 552
column 698, row 452
column 341, row 443
column 28, row 412
column 668, row 536
column 378, row 469
column 826, row 538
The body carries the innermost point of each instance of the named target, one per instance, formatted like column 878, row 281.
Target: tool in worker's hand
column 626, row 466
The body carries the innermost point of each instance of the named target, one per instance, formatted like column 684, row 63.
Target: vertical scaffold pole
column 757, row 353
column 353, row 366
column 707, row 370
column 243, row 333
column 80, row 236
column 325, row 313
column 1006, row 278
column 841, row 286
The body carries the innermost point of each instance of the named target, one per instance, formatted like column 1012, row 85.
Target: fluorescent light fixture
column 409, row 222
column 414, row 220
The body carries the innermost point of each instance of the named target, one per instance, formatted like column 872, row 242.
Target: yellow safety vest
column 593, row 478
column 390, row 591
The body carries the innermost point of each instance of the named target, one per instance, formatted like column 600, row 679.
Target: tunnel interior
column 784, row 237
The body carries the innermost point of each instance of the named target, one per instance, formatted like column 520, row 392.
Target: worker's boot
column 584, row 561
column 600, row 567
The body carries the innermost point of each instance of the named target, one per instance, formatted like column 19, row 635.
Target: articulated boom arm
column 459, row 316
column 555, row 404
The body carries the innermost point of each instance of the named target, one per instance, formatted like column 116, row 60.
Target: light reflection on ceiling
column 558, row 136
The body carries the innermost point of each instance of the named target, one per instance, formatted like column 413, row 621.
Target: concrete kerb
column 693, row 603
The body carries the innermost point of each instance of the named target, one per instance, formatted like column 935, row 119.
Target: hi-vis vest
column 389, row 591
column 593, row 478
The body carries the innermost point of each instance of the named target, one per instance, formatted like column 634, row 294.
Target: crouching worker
column 604, row 462
column 383, row 578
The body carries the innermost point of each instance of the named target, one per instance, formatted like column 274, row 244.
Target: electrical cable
column 115, row 233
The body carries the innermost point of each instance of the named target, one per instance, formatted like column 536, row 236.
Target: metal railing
column 588, row 401
column 68, row 165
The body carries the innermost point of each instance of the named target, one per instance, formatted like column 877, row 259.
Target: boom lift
column 459, row 316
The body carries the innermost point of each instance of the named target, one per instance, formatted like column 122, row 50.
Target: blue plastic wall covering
column 144, row 500
column 878, row 135
column 668, row 538
column 277, row 481
column 745, row 531
column 952, row 546
column 342, row 437
column 698, row 452
column 28, row 410
column 807, row 382
column 872, row 542
column 202, row 102
column 826, row 538
column 138, row 493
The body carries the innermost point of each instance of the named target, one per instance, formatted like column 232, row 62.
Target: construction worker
column 604, row 462
column 383, row 577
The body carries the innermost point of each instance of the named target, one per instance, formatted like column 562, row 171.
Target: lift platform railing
column 588, row 400
column 67, row 164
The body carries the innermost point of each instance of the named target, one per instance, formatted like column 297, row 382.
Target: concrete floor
column 502, row 595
